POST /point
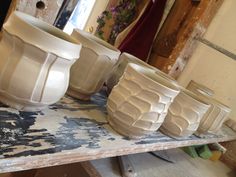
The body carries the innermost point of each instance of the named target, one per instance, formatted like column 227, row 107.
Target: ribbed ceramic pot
column 199, row 89
column 214, row 118
column 138, row 104
column 96, row 62
column 184, row 115
column 124, row 60
column 35, row 62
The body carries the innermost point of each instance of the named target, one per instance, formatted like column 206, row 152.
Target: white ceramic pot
column 184, row 115
column 35, row 62
column 124, row 60
column 216, row 115
column 199, row 89
column 138, row 104
column 96, row 62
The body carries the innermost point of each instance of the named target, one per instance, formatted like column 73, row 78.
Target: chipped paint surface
column 72, row 130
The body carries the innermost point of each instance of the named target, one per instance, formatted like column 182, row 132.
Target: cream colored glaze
column 139, row 102
column 96, row 61
column 184, row 115
column 35, row 62
column 199, row 89
column 214, row 118
column 124, row 60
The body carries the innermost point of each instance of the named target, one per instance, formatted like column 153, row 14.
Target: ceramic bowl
column 35, row 62
column 138, row 104
column 214, row 118
column 199, row 89
column 124, row 60
column 96, row 62
column 184, row 115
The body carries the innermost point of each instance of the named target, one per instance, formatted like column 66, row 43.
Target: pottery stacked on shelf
column 96, row 62
column 35, row 62
column 124, row 60
column 213, row 120
column 138, row 104
column 216, row 115
column 184, row 115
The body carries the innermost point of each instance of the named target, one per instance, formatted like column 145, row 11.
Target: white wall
column 212, row 68
column 99, row 7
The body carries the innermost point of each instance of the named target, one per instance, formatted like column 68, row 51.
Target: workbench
column 74, row 131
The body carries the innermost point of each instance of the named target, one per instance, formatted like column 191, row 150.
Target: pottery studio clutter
column 40, row 64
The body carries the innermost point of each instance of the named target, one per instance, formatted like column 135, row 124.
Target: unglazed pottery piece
column 35, row 62
column 231, row 123
column 124, row 60
column 138, row 104
column 184, row 115
column 214, row 118
column 199, row 89
column 96, row 62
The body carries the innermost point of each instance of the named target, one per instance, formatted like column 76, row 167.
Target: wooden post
column 176, row 41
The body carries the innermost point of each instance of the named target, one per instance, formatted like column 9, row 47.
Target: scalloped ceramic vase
column 96, row 62
column 184, row 115
column 138, row 104
column 216, row 115
column 35, row 62
column 124, row 60
column 214, row 118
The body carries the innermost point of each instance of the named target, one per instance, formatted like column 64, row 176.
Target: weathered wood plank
column 176, row 41
column 73, row 131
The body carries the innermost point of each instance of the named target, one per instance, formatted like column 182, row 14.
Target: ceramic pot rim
column 156, row 78
column 98, row 45
column 135, row 60
column 202, row 88
column 159, row 72
column 215, row 102
column 42, row 35
column 194, row 97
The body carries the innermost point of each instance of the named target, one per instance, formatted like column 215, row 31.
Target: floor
column 146, row 165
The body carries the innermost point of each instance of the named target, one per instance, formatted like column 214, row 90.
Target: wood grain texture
column 176, row 41
column 74, row 131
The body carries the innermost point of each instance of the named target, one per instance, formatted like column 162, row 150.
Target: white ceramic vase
column 199, row 89
column 96, row 62
column 35, row 62
column 214, row 118
column 124, row 60
column 138, row 104
column 184, row 115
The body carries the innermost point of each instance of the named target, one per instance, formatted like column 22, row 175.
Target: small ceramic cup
column 96, row 62
column 199, row 89
column 124, row 60
column 35, row 62
column 214, row 118
column 184, row 115
column 138, row 104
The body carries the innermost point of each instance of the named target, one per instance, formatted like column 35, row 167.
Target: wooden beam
column 176, row 41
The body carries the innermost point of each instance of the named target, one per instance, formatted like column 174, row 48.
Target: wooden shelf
column 73, row 131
